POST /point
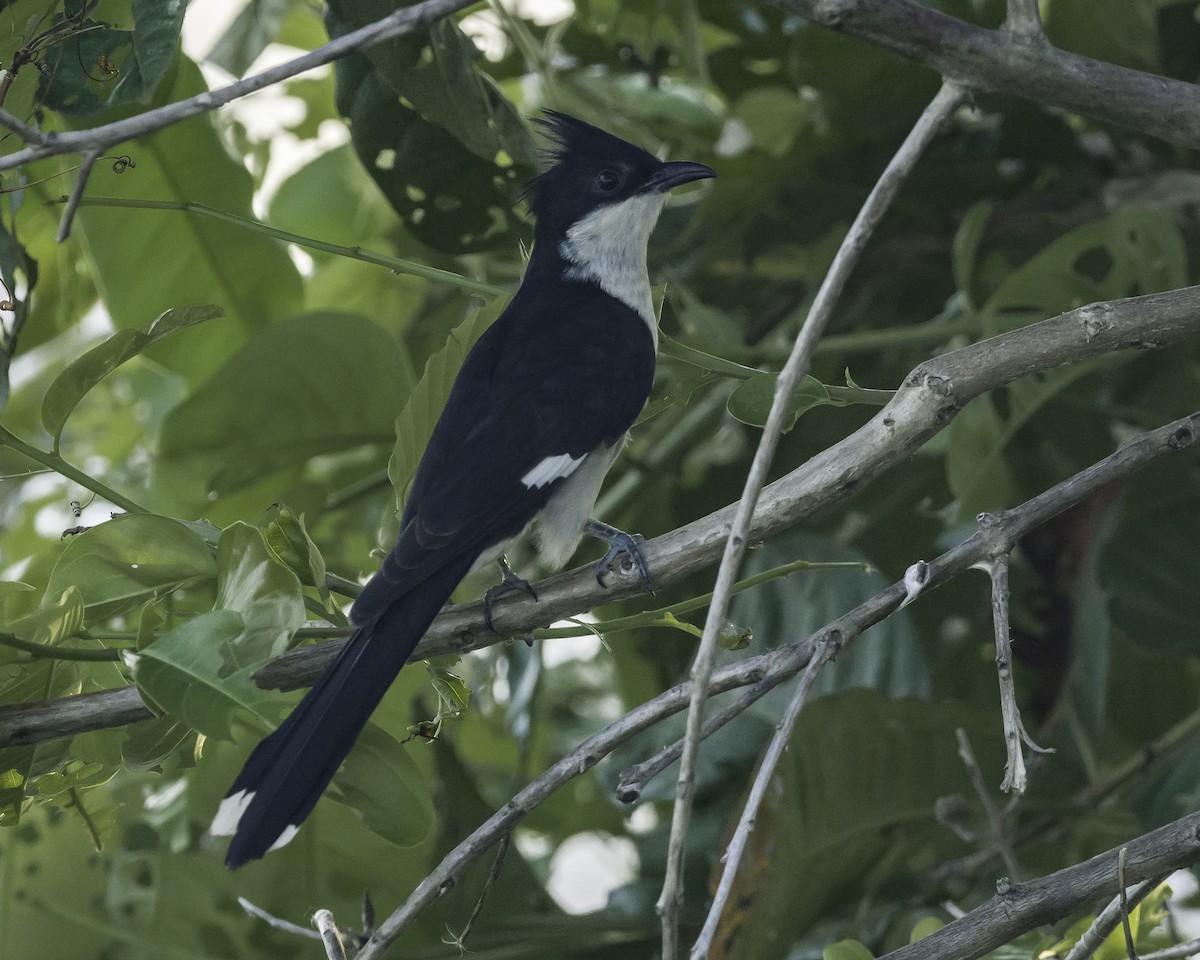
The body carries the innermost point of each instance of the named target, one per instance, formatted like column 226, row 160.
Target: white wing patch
column 285, row 837
column 229, row 814
column 551, row 469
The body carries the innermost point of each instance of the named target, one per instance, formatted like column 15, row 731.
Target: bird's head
column 601, row 182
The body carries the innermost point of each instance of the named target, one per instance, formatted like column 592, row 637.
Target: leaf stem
column 395, row 264
column 60, row 466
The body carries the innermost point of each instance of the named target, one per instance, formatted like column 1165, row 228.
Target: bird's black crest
column 577, row 151
column 572, row 137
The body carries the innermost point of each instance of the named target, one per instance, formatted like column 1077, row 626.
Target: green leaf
column 122, row 563
column 1149, row 569
column 54, row 622
column 923, row 928
column 751, row 402
column 291, row 545
column 965, row 249
column 381, row 782
column 846, row 950
column 454, row 696
column 316, row 384
column 265, row 593
column 70, row 386
column 156, row 28
column 1130, row 252
column 153, row 744
column 183, row 674
column 414, row 426
column 774, row 117
column 147, row 261
column 248, row 35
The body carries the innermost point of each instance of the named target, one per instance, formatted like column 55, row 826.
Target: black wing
column 558, row 373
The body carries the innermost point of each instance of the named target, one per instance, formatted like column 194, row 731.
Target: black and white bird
column 534, row 420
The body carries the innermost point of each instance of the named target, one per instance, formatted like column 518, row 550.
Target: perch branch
column 930, row 397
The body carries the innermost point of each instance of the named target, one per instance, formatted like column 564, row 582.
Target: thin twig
column 1025, row 20
column 1085, row 799
column 85, row 171
column 995, row 817
column 1015, row 737
column 100, row 139
column 1108, row 918
column 1180, row 951
column 827, row 648
column 947, row 100
column 276, row 922
column 460, row 941
column 1123, row 897
column 331, row 936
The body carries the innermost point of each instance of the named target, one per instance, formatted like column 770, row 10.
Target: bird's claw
column 510, row 581
column 630, row 546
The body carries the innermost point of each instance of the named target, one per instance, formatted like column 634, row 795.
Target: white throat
column 608, row 247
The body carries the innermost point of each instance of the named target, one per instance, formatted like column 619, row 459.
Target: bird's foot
column 510, row 582
column 620, row 544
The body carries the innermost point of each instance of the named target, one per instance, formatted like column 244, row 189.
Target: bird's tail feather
column 289, row 770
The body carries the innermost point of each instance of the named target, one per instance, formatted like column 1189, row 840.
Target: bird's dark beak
column 673, row 174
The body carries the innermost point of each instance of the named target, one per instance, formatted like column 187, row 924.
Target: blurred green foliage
column 258, row 447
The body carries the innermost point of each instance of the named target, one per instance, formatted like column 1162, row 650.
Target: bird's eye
column 608, row 180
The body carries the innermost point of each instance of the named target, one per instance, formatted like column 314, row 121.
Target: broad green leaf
column 1149, row 569
column 751, row 402
column 184, row 674
column 774, row 117
column 80, row 73
column 147, row 261
column 70, row 386
column 54, row 622
column 839, row 824
column 382, row 783
column 1131, row 251
column 153, row 744
column 16, row 267
column 1116, row 31
column 316, row 384
column 156, row 28
column 846, row 950
column 414, row 426
column 252, row 29
column 924, row 928
column 9, row 588
column 126, row 561
column 253, row 583
column 289, row 542
column 965, row 250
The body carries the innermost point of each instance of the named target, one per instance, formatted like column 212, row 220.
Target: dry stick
column 784, row 662
column 330, row 935
column 928, row 399
column 1025, row 20
column 279, row 924
column 1108, row 918
column 995, row 817
column 827, row 648
column 1015, row 777
column 926, row 127
column 1181, row 951
column 98, row 140
column 1085, row 799
column 1020, row 907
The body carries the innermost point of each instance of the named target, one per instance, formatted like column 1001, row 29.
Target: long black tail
column 287, row 773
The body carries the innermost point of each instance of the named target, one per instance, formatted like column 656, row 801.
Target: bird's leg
column 509, row 583
column 619, row 543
